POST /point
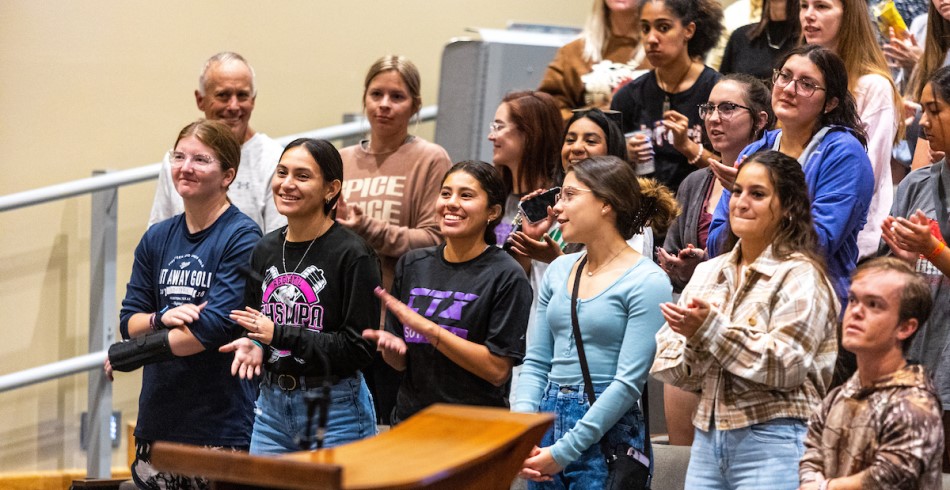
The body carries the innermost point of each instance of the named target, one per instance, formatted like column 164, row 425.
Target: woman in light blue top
column 601, row 205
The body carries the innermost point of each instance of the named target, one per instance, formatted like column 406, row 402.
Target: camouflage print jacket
column 891, row 430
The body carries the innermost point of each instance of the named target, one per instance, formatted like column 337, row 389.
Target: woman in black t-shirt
column 663, row 102
column 458, row 312
column 309, row 296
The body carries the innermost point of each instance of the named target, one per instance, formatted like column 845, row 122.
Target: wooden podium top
column 444, row 446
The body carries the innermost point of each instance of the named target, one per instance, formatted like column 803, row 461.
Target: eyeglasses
column 802, row 87
column 726, row 109
column 568, row 193
column 496, row 127
column 178, row 158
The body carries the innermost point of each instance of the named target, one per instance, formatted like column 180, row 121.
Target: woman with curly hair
column 663, row 102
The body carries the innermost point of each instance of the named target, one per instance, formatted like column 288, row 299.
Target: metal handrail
column 88, row 185
column 53, row 370
column 103, row 188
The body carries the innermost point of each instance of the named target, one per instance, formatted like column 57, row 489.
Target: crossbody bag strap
column 585, row 370
column 588, row 385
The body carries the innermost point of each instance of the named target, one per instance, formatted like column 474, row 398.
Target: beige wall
column 99, row 84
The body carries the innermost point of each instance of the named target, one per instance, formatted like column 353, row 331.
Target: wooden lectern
column 444, row 446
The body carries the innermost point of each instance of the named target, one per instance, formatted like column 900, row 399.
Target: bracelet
column 258, row 344
column 936, row 251
column 692, row 161
column 151, row 322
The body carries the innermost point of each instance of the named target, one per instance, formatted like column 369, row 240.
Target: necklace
column 283, row 250
column 667, row 93
column 768, row 39
column 366, row 147
column 591, row 272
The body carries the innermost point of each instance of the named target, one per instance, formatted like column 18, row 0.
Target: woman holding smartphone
column 465, row 328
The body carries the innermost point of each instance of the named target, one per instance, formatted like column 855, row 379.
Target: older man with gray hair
column 226, row 92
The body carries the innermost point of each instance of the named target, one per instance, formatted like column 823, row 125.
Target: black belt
column 290, row 382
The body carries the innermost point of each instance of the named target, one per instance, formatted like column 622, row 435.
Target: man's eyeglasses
column 804, row 88
column 726, row 109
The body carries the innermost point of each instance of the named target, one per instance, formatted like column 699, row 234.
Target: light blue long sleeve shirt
column 619, row 326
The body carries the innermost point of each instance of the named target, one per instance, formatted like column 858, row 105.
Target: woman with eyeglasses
column 738, row 112
column 185, row 280
column 617, row 289
column 754, row 333
column 660, row 106
column 822, row 130
column 588, row 133
column 844, row 27
column 526, row 140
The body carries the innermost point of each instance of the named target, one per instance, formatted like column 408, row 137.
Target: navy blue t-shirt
column 194, row 399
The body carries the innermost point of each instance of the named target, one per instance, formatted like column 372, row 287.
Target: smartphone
column 536, row 208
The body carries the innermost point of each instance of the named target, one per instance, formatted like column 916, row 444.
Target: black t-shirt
column 485, row 300
column 322, row 307
column 754, row 56
column 641, row 104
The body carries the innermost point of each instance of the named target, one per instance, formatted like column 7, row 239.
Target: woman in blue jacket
column 821, row 129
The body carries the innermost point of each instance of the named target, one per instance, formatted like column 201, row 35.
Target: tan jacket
column 767, row 348
column 576, row 83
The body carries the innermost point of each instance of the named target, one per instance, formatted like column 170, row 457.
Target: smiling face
column 731, row 134
column 821, row 21
column 872, row 319
column 797, row 110
column 299, row 188
column 463, row 208
column 935, row 120
column 229, row 96
column 507, row 140
column 754, row 208
column 663, row 34
column 389, row 105
column 199, row 175
column 584, row 139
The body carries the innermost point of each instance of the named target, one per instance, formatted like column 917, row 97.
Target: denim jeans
column 281, row 417
column 569, row 404
column 763, row 455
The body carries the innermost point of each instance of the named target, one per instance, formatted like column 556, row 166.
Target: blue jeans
column 763, row 455
column 569, row 404
column 281, row 417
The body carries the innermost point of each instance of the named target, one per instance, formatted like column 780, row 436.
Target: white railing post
column 102, row 326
